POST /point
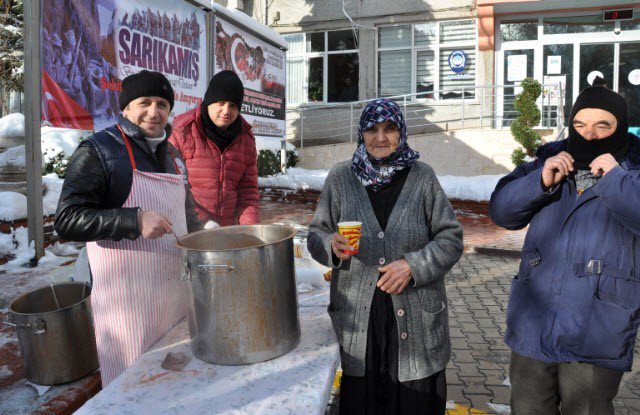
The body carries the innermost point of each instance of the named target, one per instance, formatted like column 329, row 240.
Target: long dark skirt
column 379, row 391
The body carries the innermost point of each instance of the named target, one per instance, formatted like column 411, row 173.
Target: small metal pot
column 55, row 331
column 243, row 307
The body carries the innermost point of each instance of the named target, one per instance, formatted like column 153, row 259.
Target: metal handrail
column 476, row 103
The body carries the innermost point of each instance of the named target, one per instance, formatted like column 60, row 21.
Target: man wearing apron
column 125, row 191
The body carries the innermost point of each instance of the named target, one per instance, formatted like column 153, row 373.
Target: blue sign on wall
column 457, row 60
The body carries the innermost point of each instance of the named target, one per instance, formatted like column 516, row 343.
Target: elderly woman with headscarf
column 388, row 303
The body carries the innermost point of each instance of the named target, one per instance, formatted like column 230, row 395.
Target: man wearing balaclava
column 220, row 152
column 574, row 307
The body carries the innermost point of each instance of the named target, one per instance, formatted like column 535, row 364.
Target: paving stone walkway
column 478, row 291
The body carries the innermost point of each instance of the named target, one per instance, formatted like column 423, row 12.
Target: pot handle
column 216, row 268
column 39, row 328
column 185, row 275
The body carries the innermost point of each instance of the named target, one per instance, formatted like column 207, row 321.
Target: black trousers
column 561, row 388
column 379, row 392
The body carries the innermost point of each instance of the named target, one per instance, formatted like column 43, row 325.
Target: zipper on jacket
column 222, row 172
column 221, row 182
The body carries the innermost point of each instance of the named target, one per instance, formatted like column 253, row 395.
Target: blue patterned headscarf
column 376, row 173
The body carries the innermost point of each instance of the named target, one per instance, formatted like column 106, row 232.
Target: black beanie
column 224, row 86
column 599, row 96
column 145, row 84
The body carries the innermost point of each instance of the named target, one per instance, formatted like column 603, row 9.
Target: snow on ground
column 14, row 157
column 12, row 125
column 296, row 179
column 14, row 205
column 53, row 140
column 50, row 199
column 16, row 243
column 476, row 188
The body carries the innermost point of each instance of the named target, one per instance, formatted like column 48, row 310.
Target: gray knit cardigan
column 422, row 229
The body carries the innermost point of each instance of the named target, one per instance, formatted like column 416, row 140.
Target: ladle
column 55, row 297
column 177, row 239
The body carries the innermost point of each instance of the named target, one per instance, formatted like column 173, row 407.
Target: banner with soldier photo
column 90, row 46
column 261, row 67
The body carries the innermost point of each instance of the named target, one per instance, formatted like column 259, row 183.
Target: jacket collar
column 133, row 131
column 632, row 160
column 137, row 136
column 246, row 127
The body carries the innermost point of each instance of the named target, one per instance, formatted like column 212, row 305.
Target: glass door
column 557, row 69
column 629, row 80
column 596, row 60
column 518, row 64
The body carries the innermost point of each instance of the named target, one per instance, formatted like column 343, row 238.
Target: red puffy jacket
column 224, row 185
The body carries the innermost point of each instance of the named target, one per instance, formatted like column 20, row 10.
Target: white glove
column 211, row 225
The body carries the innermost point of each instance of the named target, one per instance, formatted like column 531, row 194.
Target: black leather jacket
column 98, row 182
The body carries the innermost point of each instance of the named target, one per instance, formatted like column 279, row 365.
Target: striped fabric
column 137, row 296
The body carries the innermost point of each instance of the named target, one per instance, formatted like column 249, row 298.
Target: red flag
column 59, row 109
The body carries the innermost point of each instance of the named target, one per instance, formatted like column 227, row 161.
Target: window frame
column 435, row 47
column 305, row 56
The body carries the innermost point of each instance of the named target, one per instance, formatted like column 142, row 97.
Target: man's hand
column 556, row 169
column 152, row 224
column 603, row 164
column 396, row 277
column 340, row 243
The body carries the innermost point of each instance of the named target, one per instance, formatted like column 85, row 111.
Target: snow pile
column 13, row 206
column 55, row 140
column 17, row 244
column 476, row 188
column 51, row 197
column 271, row 143
column 296, row 179
column 14, row 157
column 12, row 125
column 305, row 287
column 52, row 140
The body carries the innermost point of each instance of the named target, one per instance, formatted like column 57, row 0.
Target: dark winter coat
column 98, row 182
column 577, row 293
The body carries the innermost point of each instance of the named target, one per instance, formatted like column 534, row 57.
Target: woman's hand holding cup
column 341, row 248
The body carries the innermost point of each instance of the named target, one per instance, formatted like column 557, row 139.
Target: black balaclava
column 224, row 86
column 585, row 151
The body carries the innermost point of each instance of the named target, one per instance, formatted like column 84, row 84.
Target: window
column 514, row 31
column 576, row 24
column 415, row 58
column 322, row 67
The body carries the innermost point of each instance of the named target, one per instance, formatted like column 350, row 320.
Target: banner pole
column 33, row 117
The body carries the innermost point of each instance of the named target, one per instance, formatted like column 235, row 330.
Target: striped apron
column 136, row 296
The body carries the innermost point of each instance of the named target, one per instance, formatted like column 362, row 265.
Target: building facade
column 439, row 52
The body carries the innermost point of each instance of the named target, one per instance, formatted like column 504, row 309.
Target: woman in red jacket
column 220, row 152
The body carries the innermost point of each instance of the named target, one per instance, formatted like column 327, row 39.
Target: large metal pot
column 55, row 331
column 243, row 307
